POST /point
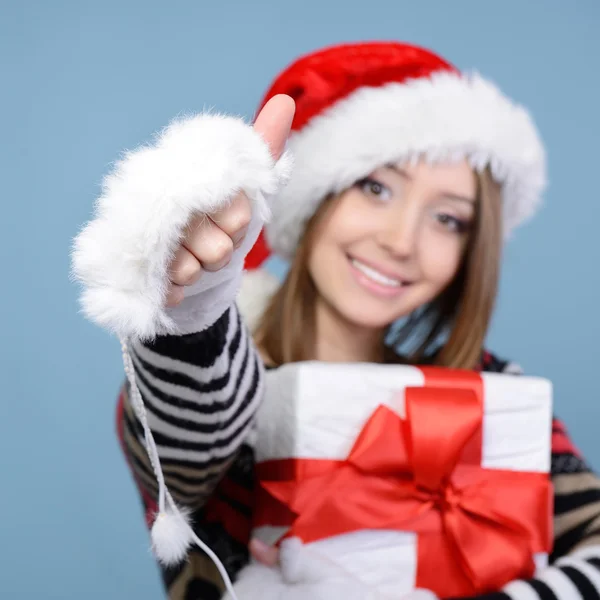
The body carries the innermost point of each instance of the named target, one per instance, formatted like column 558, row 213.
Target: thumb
column 274, row 122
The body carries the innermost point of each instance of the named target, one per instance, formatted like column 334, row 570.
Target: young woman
column 408, row 175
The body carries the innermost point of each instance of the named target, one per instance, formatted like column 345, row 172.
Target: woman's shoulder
column 493, row 363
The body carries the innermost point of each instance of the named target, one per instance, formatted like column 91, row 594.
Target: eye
column 452, row 223
column 373, row 188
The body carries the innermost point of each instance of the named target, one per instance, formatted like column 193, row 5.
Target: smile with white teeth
column 374, row 275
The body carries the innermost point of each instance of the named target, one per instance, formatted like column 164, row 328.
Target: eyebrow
column 448, row 195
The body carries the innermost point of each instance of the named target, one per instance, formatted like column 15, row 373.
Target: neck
column 337, row 340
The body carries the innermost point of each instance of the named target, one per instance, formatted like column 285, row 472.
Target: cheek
column 347, row 224
column 440, row 256
column 327, row 259
column 323, row 262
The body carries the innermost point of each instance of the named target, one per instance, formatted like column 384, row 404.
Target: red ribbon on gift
column 478, row 528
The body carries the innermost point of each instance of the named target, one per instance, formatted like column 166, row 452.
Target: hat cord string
column 164, row 497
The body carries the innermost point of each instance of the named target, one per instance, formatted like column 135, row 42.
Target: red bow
column 477, row 528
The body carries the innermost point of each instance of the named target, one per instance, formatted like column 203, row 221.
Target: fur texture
column 171, row 537
column 447, row 116
column 256, row 289
column 121, row 257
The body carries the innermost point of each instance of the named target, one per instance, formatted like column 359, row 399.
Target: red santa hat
column 359, row 106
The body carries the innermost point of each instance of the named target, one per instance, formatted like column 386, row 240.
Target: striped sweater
column 201, row 391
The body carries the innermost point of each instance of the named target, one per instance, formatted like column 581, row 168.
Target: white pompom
column 171, row 537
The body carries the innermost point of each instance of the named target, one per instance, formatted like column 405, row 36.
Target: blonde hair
column 461, row 314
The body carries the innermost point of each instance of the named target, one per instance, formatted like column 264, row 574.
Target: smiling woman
column 397, row 237
column 407, row 177
column 414, row 239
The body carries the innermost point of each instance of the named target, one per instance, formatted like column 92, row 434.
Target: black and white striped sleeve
column 201, row 391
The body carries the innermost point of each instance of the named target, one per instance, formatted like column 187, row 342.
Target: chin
column 368, row 315
column 364, row 310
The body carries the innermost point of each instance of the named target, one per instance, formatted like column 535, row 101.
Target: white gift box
column 315, row 410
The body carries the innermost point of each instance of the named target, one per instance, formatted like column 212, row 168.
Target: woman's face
column 394, row 241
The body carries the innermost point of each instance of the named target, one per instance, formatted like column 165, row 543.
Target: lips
column 375, row 275
column 375, row 281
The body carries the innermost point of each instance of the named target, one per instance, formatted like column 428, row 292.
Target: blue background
column 83, row 80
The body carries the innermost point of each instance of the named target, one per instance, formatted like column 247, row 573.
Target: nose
column 400, row 228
